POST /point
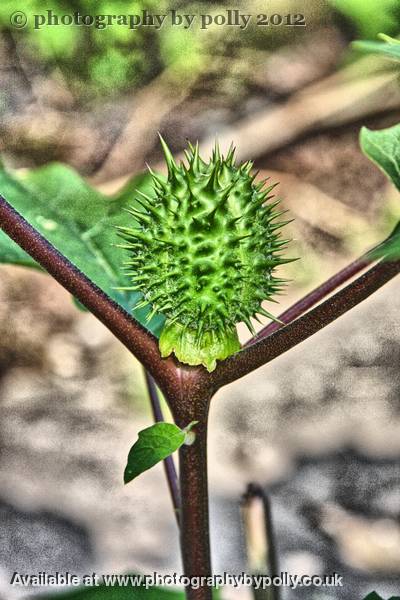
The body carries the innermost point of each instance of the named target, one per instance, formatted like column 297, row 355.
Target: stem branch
column 262, row 352
column 313, row 297
column 129, row 331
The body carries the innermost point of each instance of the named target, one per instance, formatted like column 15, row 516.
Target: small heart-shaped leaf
column 154, row 444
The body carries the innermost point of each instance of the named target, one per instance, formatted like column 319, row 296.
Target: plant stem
column 256, row 355
column 169, row 464
column 194, row 522
column 195, row 534
column 136, row 338
column 313, row 297
column 319, row 293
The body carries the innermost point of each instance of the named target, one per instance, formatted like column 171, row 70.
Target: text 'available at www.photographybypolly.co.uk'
column 258, row 582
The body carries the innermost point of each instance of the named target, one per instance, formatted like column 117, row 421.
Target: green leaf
column 120, row 593
column 116, row 593
column 383, row 148
column 390, row 248
column 12, row 254
column 154, row 444
column 367, row 17
column 389, row 50
column 79, row 222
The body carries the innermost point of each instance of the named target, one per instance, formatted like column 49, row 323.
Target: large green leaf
column 120, row 593
column 390, row 48
column 375, row 596
column 153, row 445
column 383, row 148
column 390, row 248
column 116, row 593
column 79, row 222
column 368, row 16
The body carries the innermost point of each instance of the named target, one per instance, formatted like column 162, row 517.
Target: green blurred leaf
column 182, row 48
column 80, row 223
column 369, row 17
column 383, row 148
column 116, row 593
column 154, row 444
column 390, row 248
column 120, row 593
column 387, row 49
column 112, row 69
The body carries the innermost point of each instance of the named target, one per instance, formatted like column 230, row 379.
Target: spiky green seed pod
column 204, row 254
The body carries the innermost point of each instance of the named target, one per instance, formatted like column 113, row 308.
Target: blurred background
column 318, row 428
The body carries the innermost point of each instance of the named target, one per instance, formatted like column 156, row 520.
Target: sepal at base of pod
column 191, row 348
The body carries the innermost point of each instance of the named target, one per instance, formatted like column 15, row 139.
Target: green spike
column 195, row 164
column 149, row 200
column 230, row 156
column 280, row 224
column 269, row 315
column 138, row 214
column 276, row 215
column 141, row 304
column 129, row 288
column 216, row 153
column 169, row 159
column 248, row 324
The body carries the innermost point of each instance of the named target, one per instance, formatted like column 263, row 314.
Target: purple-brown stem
column 313, row 297
column 195, row 533
column 169, row 464
column 130, row 332
column 322, row 291
column 258, row 354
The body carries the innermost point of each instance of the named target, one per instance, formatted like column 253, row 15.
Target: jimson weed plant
column 201, row 248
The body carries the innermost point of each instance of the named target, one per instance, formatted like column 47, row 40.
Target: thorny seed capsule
column 203, row 252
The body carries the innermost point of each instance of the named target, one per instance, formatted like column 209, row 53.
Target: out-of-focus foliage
column 389, row 47
column 117, row 593
column 383, row 148
column 110, row 60
column 122, row 593
column 369, row 16
column 102, row 61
